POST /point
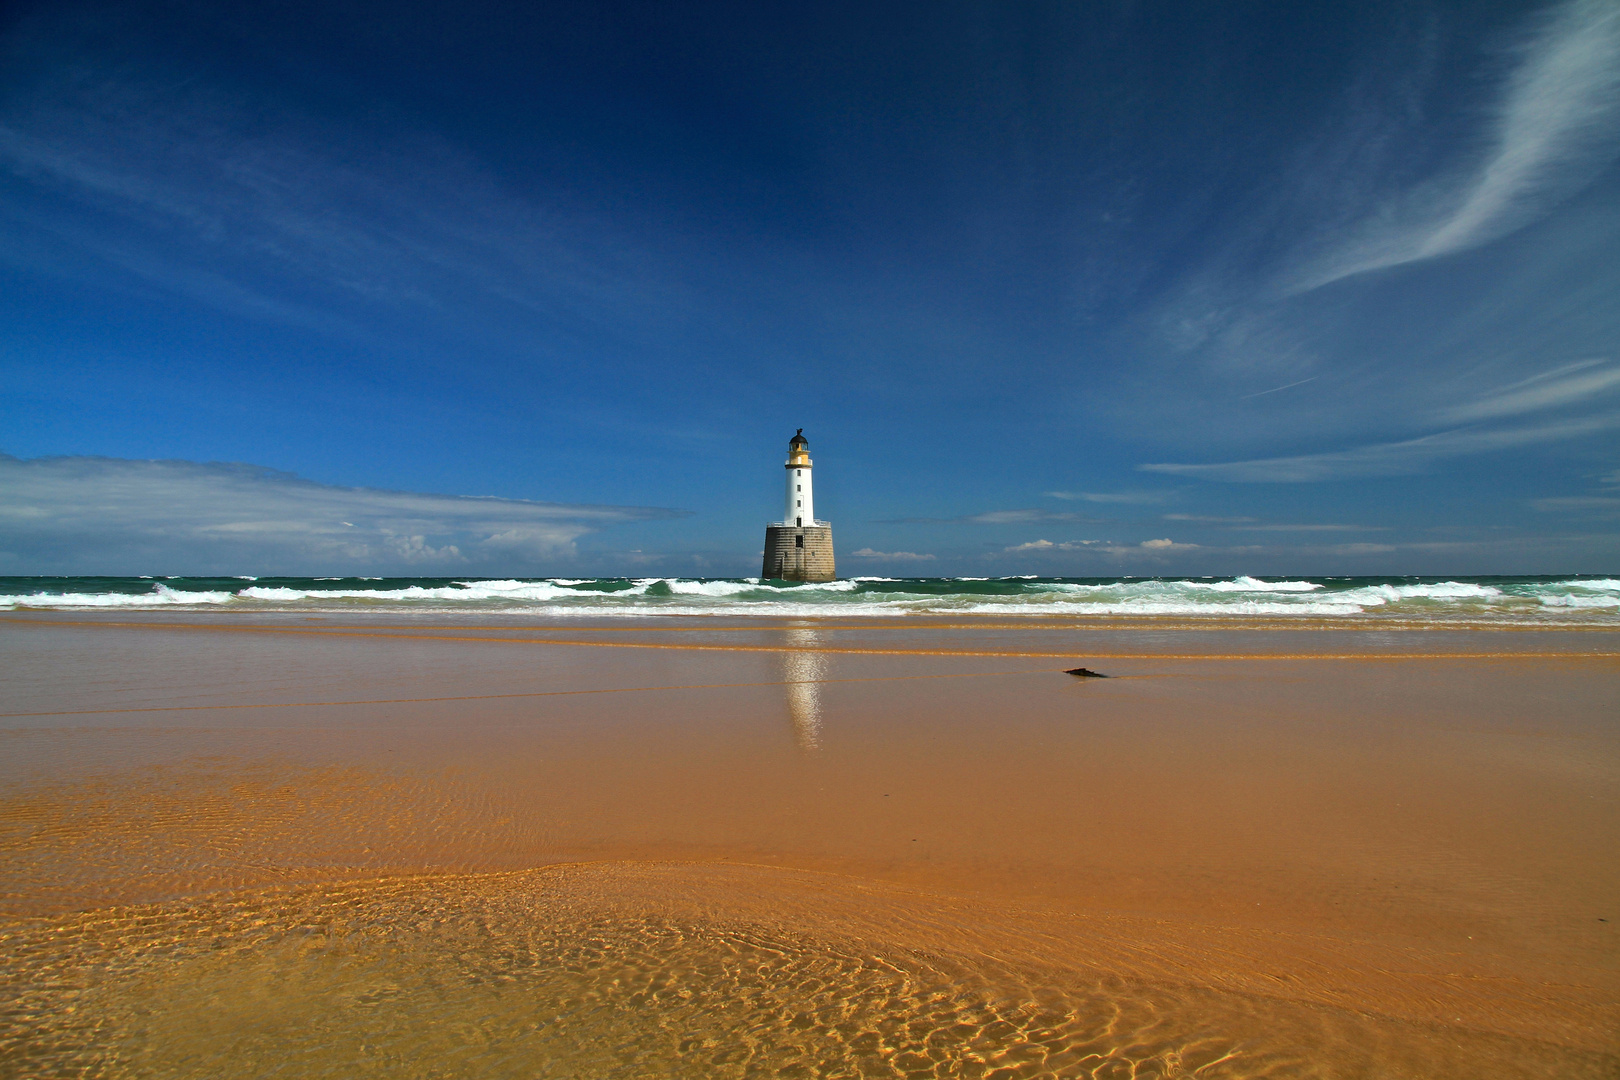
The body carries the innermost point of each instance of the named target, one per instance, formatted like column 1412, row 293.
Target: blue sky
column 1052, row 288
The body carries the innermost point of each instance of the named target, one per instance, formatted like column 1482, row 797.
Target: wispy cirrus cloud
column 1391, row 458
column 1020, row 517
column 1313, row 528
column 1567, row 384
column 1603, row 505
column 1124, row 497
column 87, row 514
column 131, row 171
column 1032, row 516
column 1204, row 519
column 1249, row 524
column 1556, row 127
column 1410, row 164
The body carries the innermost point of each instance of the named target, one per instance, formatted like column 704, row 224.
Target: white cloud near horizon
column 1162, row 546
column 79, row 515
column 1047, row 545
column 1556, row 127
column 1106, row 546
column 893, row 556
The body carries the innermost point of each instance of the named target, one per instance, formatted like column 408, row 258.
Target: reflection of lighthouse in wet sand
column 799, row 548
column 803, row 672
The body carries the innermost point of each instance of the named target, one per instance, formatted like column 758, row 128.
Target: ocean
column 1546, row 600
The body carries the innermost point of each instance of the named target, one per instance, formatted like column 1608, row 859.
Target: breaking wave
column 1517, row 598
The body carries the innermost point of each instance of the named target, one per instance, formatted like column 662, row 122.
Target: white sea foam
column 711, row 588
column 1602, row 584
column 161, row 596
column 1575, row 599
column 1581, row 601
column 1167, row 607
column 1446, row 590
column 1154, row 586
column 1249, row 584
column 492, row 590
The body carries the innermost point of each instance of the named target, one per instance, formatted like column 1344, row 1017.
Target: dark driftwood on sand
column 1085, row 673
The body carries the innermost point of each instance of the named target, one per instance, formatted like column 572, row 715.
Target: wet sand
column 716, row 847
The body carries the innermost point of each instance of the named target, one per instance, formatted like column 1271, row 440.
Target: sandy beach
column 715, row 847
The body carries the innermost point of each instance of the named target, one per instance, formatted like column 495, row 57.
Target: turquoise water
column 1580, row 599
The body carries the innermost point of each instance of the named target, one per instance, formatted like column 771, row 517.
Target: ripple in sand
column 564, row 973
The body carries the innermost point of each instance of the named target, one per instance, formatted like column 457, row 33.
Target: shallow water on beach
column 266, row 847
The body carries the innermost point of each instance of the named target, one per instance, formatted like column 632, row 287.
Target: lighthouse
column 799, row 548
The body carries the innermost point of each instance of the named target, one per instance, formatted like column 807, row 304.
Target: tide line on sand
column 527, row 694
column 850, row 650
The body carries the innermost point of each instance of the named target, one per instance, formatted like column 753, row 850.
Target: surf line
column 833, row 624
column 836, row 623
column 528, row 694
column 844, row 650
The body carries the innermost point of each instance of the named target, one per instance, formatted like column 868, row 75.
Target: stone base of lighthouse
column 798, row 553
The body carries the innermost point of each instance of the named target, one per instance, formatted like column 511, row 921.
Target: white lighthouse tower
column 799, row 548
column 801, row 502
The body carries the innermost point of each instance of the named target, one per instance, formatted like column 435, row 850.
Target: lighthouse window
column 798, row 472
column 798, row 541
column 798, row 487
column 798, row 502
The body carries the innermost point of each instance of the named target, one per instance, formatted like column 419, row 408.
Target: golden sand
column 704, row 847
